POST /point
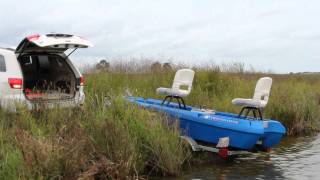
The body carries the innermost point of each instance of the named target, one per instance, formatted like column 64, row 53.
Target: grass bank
column 122, row 141
column 118, row 142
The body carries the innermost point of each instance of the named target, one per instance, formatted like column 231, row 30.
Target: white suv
column 38, row 73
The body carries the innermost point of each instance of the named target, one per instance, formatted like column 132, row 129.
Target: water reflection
column 294, row 158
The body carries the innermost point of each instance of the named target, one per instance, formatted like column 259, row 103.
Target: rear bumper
column 12, row 102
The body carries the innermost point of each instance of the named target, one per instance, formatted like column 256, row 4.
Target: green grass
column 125, row 141
column 294, row 99
column 120, row 141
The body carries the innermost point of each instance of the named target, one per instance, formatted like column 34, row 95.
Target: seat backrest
column 183, row 77
column 262, row 91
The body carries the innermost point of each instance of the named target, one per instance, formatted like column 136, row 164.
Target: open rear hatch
column 46, row 74
column 58, row 43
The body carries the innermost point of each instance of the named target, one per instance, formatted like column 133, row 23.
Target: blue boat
column 243, row 133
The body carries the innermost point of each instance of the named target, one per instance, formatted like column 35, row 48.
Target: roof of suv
column 8, row 49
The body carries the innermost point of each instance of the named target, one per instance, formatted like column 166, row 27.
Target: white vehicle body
column 38, row 73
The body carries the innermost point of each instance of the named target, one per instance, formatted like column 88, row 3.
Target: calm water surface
column 294, row 158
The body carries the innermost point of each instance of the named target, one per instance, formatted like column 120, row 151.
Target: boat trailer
column 221, row 148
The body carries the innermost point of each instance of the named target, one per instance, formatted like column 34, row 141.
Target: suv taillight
column 15, row 83
column 81, row 81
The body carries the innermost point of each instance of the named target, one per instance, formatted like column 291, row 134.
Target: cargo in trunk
column 47, row 77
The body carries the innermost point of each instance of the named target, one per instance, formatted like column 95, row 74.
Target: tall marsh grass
column 294, row 100
column 119, row 140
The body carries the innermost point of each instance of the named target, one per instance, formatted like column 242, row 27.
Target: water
column 294, row 158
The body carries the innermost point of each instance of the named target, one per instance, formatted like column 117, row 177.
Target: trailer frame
column 222, row 151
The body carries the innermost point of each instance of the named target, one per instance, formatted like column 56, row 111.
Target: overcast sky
column 278, row 35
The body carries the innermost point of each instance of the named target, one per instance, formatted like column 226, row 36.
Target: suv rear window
column 2, row 64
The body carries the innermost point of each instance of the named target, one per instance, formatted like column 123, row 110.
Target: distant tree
column 167, row 67
column 239, row 67
column 156, row 67
column 235, row 67
column 103, row 66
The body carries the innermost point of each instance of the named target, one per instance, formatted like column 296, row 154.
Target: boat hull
column 212, row 134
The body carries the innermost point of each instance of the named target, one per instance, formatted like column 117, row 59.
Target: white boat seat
column 181, row 87
column 260, row 98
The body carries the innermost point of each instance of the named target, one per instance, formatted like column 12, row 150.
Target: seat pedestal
column 178, row 98
column 254, row 110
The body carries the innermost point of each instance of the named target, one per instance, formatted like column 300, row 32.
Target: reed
column 120, row 141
